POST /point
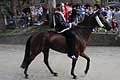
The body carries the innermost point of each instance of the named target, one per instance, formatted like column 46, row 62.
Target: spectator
column 73, row 15
column 66, row 13
column 114, row 24
column 95, row 9
column 82, row 13
column 40, row 12
column 117, row 17
column 109, row 15
column 82, row 10
column 104, row 13
column 87, row 9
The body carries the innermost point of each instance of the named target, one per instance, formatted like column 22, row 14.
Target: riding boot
column 71, row 49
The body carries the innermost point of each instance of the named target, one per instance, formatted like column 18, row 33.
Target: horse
column 44, row 41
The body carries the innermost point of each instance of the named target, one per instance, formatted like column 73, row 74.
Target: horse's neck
column 84, row 33
column 85, row 28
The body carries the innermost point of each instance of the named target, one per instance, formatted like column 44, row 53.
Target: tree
column 13, row 7
column 97, row 1
column 52, row 5
column 4, row 10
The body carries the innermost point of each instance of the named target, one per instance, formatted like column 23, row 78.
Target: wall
column 99, row 39
column 104, row 39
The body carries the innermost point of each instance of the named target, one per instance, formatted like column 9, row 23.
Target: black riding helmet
column 59, row 5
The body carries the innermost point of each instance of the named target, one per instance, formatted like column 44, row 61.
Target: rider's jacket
column 60, row 23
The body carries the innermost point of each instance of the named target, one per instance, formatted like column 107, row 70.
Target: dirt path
column 105, row 64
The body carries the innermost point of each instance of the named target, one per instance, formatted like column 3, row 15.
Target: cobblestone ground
column 105, row 64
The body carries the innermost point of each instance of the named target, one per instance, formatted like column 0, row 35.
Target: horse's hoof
column 22, row 66
column 74, row 77
column 85, row 72
column 26, row 76
column 55, row 74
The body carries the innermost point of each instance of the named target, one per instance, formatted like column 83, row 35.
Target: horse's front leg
column 73, row 68
column 88, row 62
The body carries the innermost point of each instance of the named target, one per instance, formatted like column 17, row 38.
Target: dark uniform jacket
column 60, row 23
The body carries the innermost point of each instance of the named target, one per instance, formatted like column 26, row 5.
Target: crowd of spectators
column 78, row 12
column 33, row 15
column 37, row 15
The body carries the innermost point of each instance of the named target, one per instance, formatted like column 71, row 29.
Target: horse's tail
column 27, row 53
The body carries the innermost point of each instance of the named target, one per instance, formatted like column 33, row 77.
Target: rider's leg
column 70, row 37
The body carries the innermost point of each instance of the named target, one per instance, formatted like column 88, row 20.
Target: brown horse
column 43, row 41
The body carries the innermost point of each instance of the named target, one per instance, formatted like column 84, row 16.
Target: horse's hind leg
column 88, row 61
column 31, row 58
column 25, row 71
column 46, row 56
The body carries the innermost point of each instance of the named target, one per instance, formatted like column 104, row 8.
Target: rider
column 63, row 27
column 96, row 8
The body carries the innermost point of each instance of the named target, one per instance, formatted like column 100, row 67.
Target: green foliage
column 25, row 1
column 5, row 7
column 9, row 32
column 97, row 1
column 101, row 29
column 42, row 1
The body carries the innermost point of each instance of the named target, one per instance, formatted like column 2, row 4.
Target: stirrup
column 73, row 57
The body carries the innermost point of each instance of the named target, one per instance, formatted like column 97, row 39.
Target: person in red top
column 66, row 14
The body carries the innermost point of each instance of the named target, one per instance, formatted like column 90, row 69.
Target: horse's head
column 95, row 20
column 100, row 21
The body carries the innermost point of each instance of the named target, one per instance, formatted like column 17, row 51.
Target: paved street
column 105, row 64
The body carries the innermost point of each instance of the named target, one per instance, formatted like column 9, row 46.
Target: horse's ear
column 98, row 12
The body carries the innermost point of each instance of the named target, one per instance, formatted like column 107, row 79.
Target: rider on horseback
column 63, row 27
